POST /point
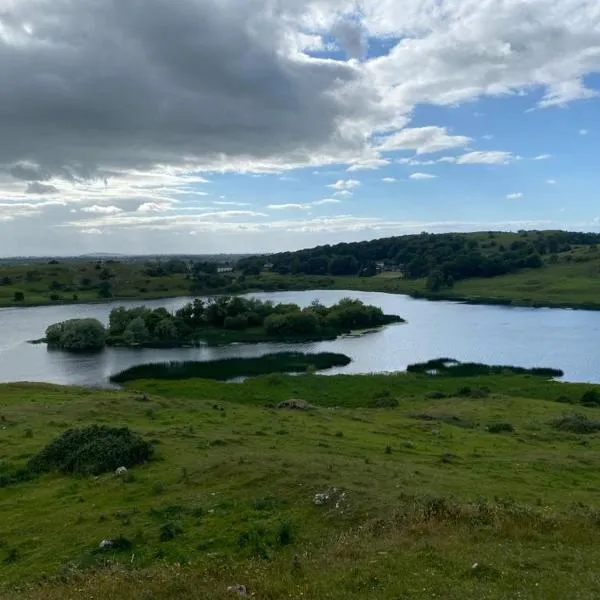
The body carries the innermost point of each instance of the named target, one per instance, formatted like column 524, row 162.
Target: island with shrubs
column 219, row 320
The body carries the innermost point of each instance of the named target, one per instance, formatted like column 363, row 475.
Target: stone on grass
column 121, row 471
column 295, row 404
column 239, row 589
column 106, row 544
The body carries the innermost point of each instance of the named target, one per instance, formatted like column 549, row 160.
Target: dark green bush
column 92, row 450
column 383, row 402
column 500, row 428
column 591, row 398
column 576, row 423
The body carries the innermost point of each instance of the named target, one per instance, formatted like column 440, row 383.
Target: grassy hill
column 422, row 499
column 567, row 273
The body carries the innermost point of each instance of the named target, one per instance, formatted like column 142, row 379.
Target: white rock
column 104, row 544
column 121, row 471
column 238, row 589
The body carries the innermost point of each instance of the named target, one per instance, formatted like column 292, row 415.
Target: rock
column 321, row 498
column 121, row 471
column 106, row 544
column 239, row 589
column 295, row 404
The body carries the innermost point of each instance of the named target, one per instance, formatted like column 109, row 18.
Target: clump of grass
column 500, row 428
column 453, row 368
column 576, row 423
column 169, row 531
column 92, row 450
column 284, row 535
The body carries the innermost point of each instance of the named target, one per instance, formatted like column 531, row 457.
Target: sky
column 203, row 126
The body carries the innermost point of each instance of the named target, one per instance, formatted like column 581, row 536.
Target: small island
column 219, row 320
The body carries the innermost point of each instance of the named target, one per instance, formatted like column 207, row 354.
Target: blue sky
column 222, row 126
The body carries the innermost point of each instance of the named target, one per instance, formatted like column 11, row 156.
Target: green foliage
column 591, row 398
column 231, row 368
column 19, row 297
column 92, row 450
column 576, row 423
column 257, row 320
column 500, row 428
column 453, row 368
column 77, row 334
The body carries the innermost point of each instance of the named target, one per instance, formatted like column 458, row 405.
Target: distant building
column 268, row 266
column 224, row 269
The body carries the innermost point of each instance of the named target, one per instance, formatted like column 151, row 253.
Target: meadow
column 391, row 486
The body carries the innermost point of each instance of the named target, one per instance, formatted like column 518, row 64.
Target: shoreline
column 417, row 295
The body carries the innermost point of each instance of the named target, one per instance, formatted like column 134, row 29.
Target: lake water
column 564, row 339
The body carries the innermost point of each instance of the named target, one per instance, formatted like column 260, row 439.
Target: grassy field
column 428, row 502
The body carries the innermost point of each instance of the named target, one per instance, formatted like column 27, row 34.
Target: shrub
column 284, row 534
column 500, row 428
column 169, row 531
column 591, row 398
column 19, row 297
column 92, row 450
column 383, row 402
column 576, row 423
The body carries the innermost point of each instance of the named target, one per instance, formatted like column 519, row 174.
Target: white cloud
column 369, row 164
column 155, row 207
column 487, row 137
column 414, row 162
column 485, row 158
column 551, row 181
column 344, row 185
column 343, row 193
column 326, row 201
column 514, row 196
column 229, row 203
column 543, row 157
column 422, row 176
column 424, row 140
column 102, row 210
column 91, row 231
column 563, row 92
column 583, row 132
column 389, row 180
column 288, row 206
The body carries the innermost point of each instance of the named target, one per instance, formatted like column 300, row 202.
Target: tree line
column 445, row 258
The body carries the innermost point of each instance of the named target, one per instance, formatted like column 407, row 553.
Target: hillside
column 443, row 487
column 547, row 268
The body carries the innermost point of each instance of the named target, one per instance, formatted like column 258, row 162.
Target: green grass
column 231, row 368
column 429, row 491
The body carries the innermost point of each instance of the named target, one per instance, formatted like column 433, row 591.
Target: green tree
column 19, row 297
column 435, row 281
column 77, row 334
column 136, row 332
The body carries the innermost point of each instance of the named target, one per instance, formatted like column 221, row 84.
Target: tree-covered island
column 219, row 320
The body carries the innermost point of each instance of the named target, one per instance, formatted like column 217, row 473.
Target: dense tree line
column 443, row 258
column 142, row 326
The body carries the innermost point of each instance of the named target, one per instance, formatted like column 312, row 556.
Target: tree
column 136, row 332
column 77, row 334
column 105, row 290
column 19, row 297
column 435, row 281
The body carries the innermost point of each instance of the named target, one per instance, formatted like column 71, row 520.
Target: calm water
column 565, row 339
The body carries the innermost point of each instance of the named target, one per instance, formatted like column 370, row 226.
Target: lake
column 527, row 337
